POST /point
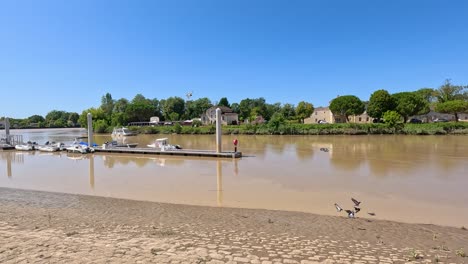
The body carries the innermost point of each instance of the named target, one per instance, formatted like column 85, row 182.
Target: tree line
column 119, row 112
column 448, row 98
column 382, row 105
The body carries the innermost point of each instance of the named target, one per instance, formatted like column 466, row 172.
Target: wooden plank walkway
column 179, row 152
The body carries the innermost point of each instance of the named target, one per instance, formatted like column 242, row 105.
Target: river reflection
column 399, row 177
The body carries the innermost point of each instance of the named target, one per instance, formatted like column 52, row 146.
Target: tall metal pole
column 90, row 130
column 7, row 130
column 218, row 130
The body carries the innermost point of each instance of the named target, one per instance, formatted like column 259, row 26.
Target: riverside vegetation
column 314, row 129
column 392, row 109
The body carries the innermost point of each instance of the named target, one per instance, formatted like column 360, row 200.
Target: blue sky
column 64, row 55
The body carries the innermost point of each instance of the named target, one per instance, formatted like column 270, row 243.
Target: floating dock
column 179, row 152
column 6, row 147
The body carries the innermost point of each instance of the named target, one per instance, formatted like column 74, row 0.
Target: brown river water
column 417, row 179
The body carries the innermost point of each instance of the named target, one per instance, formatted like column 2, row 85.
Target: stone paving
column 40, row 227
column 125, row 244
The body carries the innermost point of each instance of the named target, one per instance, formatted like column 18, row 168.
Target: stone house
column 325, row 114
column 432, row 116
column 228, row 117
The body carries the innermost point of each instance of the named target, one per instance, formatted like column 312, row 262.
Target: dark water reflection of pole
column 219, row 189
column 8, row 159
column 91, row 171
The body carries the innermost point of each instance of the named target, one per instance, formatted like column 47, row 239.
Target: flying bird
column 372, row 214
column 338, row 208
column 356, row 209
column 356, row 202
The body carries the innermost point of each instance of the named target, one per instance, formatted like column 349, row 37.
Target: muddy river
column 421, row 179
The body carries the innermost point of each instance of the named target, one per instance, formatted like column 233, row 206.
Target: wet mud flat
column 44, row 227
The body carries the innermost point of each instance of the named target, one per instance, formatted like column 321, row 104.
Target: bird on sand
column 350, row 213
column 356, row 202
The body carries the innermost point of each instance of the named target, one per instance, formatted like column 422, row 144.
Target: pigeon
column 338, row 208
column 356, row 209
column 356, row 202
column 350, row 213
column 372, row 214
column 324, row 149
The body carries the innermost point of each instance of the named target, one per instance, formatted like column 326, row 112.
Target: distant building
column 154, row 119
column 228, row 117
column 362, row 118
column 258, row 120
column 325, row 115
column 433, row 116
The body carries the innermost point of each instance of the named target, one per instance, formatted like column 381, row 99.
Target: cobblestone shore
column 54, row 228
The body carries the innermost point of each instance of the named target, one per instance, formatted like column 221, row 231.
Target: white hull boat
column 49, row 148
column 115, row 144
column 25, row 147
column 122, row 132
column 163, row 145
column 80, row 149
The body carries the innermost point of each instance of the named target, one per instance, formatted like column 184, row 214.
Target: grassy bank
column 315, row 129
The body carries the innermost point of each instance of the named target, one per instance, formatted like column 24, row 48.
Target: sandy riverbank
column 62, row 228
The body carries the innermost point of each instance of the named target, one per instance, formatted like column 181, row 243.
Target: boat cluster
column 75, row 147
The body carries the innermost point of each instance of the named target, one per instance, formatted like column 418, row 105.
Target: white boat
column 163, row 145
column 26, row 147
column 48, row 148
column 122, row 132
column 79, row 149
column 115, row 144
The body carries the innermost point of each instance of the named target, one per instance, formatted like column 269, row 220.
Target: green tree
column 173, row 105
column 73, row 118
column 276, row 120
column 56, row 118
column 380, row 102
column 140, row 109
column 347, row 105
column 304, row 110
column 96, row 113
column 409, row 104
column 288, row 111
column 392, row 118
column 195, row 109
column 120, row 105
column 36, row 119
column 223, row 102
column 107, row 104
column 428, row 94
column 450, row 92
column 235, row 108
column 453, row 107
column 246, row 106
column 451, row 98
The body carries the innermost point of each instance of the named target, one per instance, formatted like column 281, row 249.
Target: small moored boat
column 122, row 132
column 163, row 145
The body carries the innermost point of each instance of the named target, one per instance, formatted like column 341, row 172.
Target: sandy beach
column 41, row 227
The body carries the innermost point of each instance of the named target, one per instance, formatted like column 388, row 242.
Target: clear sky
column 64, row 55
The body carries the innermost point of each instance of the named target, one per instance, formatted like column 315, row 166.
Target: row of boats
column 75, row 147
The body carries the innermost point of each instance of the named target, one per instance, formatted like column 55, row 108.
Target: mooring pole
column 218, row 130
column 90, row 130
column 7, row 130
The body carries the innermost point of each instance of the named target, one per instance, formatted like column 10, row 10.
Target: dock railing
column 11, row 139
